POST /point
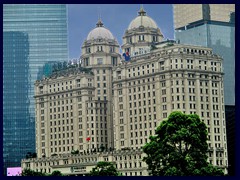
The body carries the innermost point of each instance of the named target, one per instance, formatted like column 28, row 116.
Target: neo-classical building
column 171, row 77
column 114, row 104
column 73, row 105
column 128, row 162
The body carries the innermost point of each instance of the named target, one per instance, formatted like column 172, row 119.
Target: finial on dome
column 99, row 23
column 141, row 12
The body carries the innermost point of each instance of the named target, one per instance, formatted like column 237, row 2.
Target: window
column 112, row 49
column 114, row 60
column 99, row 61
column 154, row 38
column 88, row 50
column 99, row 48
column 141, row 38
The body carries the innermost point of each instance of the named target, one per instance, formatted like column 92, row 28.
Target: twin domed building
column 106, row 109
column 142, row 32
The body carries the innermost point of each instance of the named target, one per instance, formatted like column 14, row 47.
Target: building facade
column 128, row 163
column 32, row 35
column 115, row 105
column 100, row 52
column 172, row 77
column 58, row 107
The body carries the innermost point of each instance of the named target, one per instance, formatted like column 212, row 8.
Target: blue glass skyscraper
column 33, row 35
column 210, row 25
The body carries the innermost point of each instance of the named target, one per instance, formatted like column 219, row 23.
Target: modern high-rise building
column 189, row 14
column 33, row 34
column 116, row 105
column 212, row 25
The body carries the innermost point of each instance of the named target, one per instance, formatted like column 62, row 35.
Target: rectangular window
column 99, row 60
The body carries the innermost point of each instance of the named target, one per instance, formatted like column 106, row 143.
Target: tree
column 104, row 169
column 59, row 65
column 64, row 65
column 102, row 148
column 56, row 173
column 54, row 67
column 31, row 155
column 29, row 172
column 75, row 152
column 179, row 148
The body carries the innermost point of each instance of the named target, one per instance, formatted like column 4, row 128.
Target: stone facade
column 61, row 106
column 128, row 162
column 173, row 77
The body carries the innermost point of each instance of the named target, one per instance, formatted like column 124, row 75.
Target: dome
column 142, row 20
column 100, row 32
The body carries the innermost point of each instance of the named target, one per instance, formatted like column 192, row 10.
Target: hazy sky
column 82, row 19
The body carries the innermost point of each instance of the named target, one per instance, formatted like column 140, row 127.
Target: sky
column 82, row 18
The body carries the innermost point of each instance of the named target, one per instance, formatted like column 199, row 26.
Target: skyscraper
column 33, row 34
column 187, row 14
column 210, row 25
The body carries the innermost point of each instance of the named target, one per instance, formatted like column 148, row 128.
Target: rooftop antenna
column 99, row 13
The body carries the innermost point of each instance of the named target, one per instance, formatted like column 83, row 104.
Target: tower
column 100, row 52
column 142, row 32
column 74, row 105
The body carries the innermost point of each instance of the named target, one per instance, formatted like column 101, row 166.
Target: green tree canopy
column 56, row 173
column 29, row 172
column 104, row 169
column 179, row 148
